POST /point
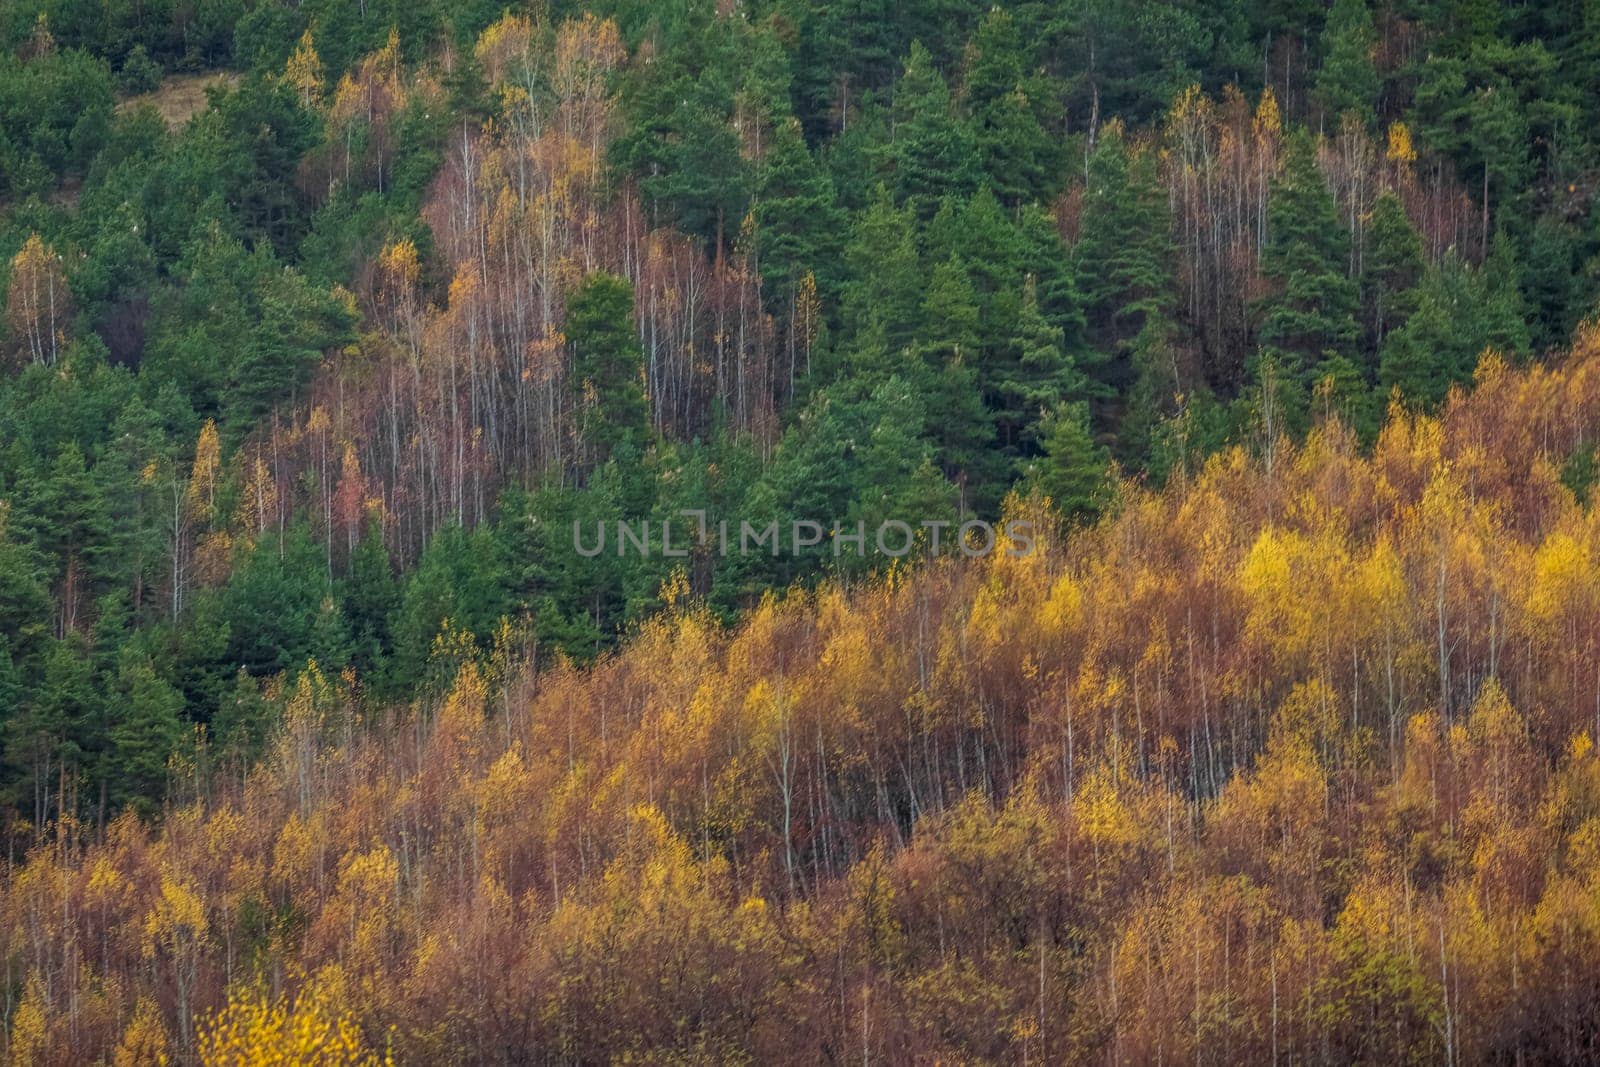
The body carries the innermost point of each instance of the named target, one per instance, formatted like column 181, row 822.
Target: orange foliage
column 1299, row 766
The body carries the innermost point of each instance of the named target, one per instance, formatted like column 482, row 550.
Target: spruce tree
column 57, row 732
column 885, row 287
column 1559, row 289
column 1460, row 312
column 1391, row 269
column 239, row 730
column 987, row 244
column 1073, row 470
column 24, row 596
column 1033, row 374
column 1043, row 257
column 934, row 155
column 958, row 424
column 72, row 528
column 1348, row 80
column 1151, row 395
column 1009, row 113
column 1124, row 255
column 1340, row 388
column 147, row 731
column 798, row 224
column 1503, row 314
column 1311, row 312
column 607, row 364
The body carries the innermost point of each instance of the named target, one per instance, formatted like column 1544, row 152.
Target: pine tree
column 987, row 243
column 860, row 160
column 1152, row 394
column 1009, row 113
column 885, row 289
column 55, row 734
column 1340, row 389
column 1503, row 315
column 24, row 597
column 1559, row 289
column 607, row 364
column 1348, row 80
column 949, row 378
column 241, row 727
column 1124, row 255
column 1043, row 257
column 708, row 183
column 1311, row 312
column 897, row 473
column 1501, row 130
column 72, row 528
column 147, row 731
column 933, row 153
column 845, row 52
column 1035, row 375
column 1072, row 471
column 369, row 596
column 1391, row 269
column 798, row 223
column 1460, row 312
column 1469, row 105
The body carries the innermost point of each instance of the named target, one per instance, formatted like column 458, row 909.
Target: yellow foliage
column 1493, row 719
column 460, row 719
column 308, row 1031
column 144, row 1042
column 303, row 72
column 399, row 264
column 30, row 1029
column 1400, row 148
column 501, row 43
column 1101, row 812
column 1564, row 581
column 38, row 302
column 203, row 474
column 1062, row 610
column 1268, row 120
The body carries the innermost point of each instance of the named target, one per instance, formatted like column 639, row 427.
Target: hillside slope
column 1293, row 760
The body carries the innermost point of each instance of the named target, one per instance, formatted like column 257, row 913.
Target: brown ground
column 181, row 96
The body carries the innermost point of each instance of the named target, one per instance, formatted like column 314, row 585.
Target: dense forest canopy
column 325, row 323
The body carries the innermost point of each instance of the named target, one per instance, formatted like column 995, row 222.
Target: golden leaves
column 1101, row 812
column 1565, row 586
column 177, row 922
column 1400, row 149
column 503, row 44
column 303, row 72
column 38, row 302
column 398, row 263
column 1268, row 122
column 310, row 1029
column 203, row 473
column 145, row 1042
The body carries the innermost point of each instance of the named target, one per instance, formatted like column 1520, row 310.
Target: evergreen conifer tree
column 934, row 154
column 1311, row 312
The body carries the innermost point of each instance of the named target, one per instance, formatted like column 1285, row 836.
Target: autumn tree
column 38, row 303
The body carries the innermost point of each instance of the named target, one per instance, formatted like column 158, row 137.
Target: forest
column 325, row 326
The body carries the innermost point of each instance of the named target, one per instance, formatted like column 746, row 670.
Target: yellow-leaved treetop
column 38, row 303
column 307, row 1030
column 303, row 72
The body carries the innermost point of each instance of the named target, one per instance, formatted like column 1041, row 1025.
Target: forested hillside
column 1137, row 798
column 326, row 324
